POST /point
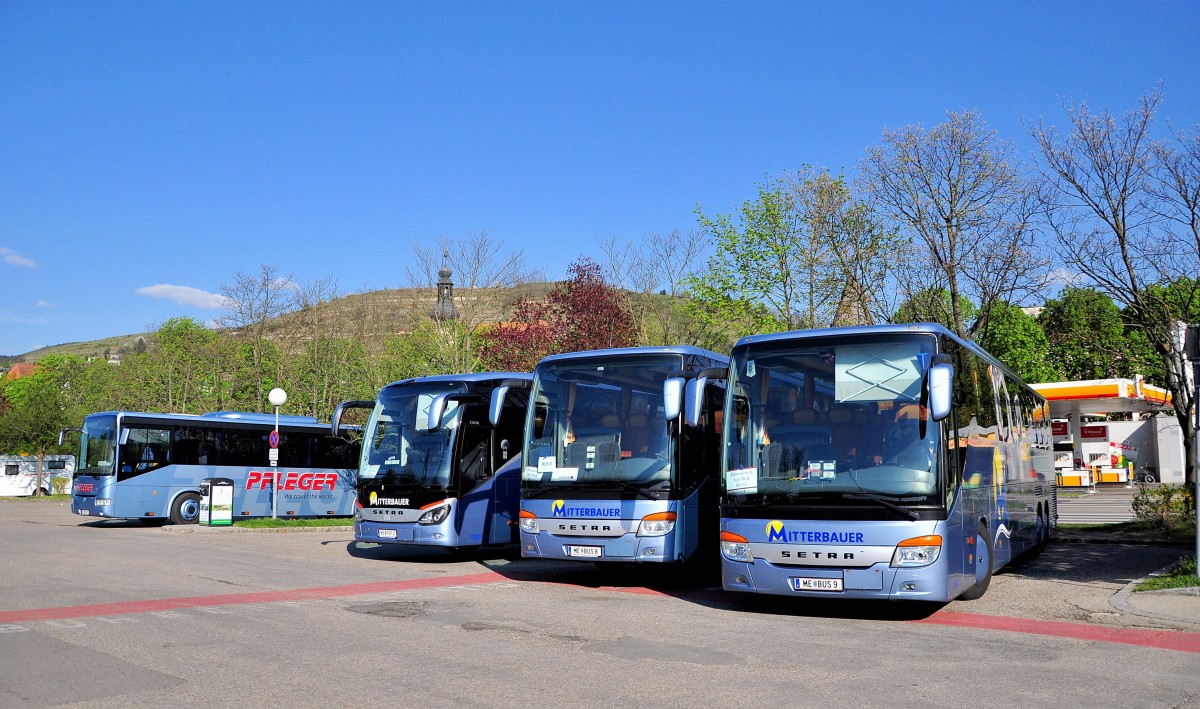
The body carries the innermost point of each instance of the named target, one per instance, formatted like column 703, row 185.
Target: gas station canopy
column 1096, row 397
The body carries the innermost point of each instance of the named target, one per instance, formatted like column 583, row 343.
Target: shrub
column 1167, row 506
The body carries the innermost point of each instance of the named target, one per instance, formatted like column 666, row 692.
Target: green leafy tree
column 1016, row 339
column 32, row 412
column 933, row 305
column 1086, row 335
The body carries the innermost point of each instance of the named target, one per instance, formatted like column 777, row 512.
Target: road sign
column 273, row 439
column 273, row 456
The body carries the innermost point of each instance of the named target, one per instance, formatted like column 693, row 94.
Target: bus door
column 473, row 468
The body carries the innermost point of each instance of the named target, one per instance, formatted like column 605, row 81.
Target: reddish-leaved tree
column 583, row 312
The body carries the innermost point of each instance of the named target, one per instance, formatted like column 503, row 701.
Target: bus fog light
column 657, row 524
column 918, row 551
column 735, row 547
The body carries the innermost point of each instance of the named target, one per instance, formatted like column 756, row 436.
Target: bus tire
column 985, row 560
column 186, row 509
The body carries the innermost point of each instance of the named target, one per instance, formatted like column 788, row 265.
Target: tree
column 654, row 271
column 252, row 302
column 1085, row 334
column 957, row 189
column 583, row 312
column 184, row 362
column 483, row 272
column 32, row 412
column 768, row 272
column 1016, row 339
column 933, row 305
column 1124, row 210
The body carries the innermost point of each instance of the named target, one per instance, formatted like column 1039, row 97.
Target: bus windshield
column 98, row 445
column 397, row 443
column 833, row 418
column 599, row 422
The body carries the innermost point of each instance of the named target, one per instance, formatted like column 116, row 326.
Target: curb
column 198, row 529
column 1120, row 599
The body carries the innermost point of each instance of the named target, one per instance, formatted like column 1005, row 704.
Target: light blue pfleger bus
column 889, row 462
column 611, row 473
column 149, row 466
column 440, row 460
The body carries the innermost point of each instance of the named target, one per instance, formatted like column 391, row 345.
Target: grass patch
column 39, row 498
column 1134, row 529
column 293, row 523
column 1182, row 576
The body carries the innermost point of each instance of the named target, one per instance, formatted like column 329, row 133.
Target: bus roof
column 230, row 416
column 469, row 378
column 627, row 351
column 928, row 328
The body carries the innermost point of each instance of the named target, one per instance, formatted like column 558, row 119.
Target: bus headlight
column 529, row 522
column 735, row 547
column 918, row 551
column 657, row 524
column 436, row 513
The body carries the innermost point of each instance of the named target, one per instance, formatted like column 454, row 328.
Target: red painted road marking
column 1180, row 640
column 232, row 599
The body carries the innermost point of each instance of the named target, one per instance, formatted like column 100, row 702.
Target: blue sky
column 173, row 144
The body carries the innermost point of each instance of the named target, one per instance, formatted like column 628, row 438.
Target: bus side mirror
column 497, row 404
column 62, row 434
column 336, row 424
column 941, row 385
column 673, row 397
column 693, row 400
column 437, row 409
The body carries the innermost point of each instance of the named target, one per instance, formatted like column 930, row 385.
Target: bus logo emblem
column 776, row 532
column 557, row 508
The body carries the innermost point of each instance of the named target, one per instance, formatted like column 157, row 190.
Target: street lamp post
column 277, row 397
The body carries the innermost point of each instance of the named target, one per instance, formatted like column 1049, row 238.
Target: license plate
column 802, row 583
column 593, row 552
column 85, row 513
column 387, row 534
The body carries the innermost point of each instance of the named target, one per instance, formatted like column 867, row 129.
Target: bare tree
column 484, row 273
column 252, row 302
column 957, row 189
column 653, row 271
column 1124, row 210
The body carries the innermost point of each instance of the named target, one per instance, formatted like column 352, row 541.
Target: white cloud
column 12, row 258
column 45, row 304
column 184, row 295
column 20, row 319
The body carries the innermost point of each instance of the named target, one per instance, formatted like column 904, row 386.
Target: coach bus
column 610, row 471
column 439, row 461
column 888, row 462
column 149, row 466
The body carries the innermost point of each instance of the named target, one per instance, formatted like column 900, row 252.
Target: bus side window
column 145, row 449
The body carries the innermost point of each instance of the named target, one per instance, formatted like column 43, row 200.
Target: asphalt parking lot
column 116, row 614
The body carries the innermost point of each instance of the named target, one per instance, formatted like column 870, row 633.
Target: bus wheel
column 983, row 565
column 186, row 509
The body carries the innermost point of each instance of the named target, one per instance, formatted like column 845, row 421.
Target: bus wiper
column 883, row 503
